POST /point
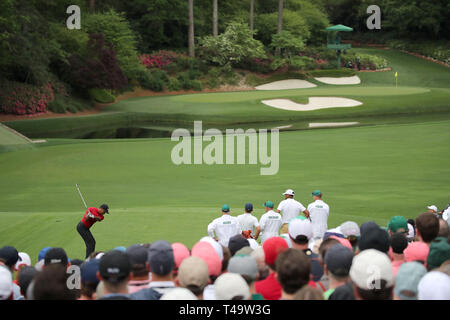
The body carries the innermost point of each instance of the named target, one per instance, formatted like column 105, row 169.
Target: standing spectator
column 292, row 272
column 206, row 252
column 411, row 230
column 375, row 285
column 444, row 229
column 308, row 293
column 10, row 256
column 439, row 253
column 231, row 286
column 23, row 261
column 407, row 280
column 51, row 284
column 114, row 271
column 249, row 222
column 270, row 222
column 319, row 212
column 181, row 252
column 246, row 267
column 323, row 248
column 270, row 288
column 300, row 233
column 89, row 280
column 373, row 237
column 225, row 227
column 351, row 232
column 236, row 243
column 417, row 251
column 56, row 256
column 290, row 209
column 162, row 262
column 139, row 276
column 435, row 285
column 6, row 284
column 338, row 260
column 433, row 209
column 179, row 294
column 398, row 224
column 263, row 269
column 427, row 225
column 398, row 245
column 24, row 278
column 193, row 275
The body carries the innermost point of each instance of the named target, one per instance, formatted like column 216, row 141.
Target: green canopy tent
column 334, row 40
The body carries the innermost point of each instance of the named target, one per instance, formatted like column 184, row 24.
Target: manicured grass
column 365, row 173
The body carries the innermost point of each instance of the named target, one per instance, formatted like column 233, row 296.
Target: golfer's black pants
column 88, row 238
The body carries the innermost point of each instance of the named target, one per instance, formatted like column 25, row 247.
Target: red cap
column 207, row 253
column 180, row 252
column 416, row 251
column 344, row 242
column 272, row 247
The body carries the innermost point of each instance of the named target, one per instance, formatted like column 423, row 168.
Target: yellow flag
column 396, row 74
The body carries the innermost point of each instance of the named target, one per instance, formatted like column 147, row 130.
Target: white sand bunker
column 331, row 124
column 286, row 84
column 315, row 103
column 340, row 81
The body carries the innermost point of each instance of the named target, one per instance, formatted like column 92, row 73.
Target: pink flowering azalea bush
column 158, row 60
column 21, row 98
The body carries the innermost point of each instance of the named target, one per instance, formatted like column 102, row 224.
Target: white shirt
column 225, row 227
column 270, row 224
column 248, row 222
column 290, row 209
column 445, row 214
column 319, row 212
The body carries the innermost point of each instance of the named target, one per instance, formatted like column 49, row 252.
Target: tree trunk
column 252, row 17
column 280, row 23
column 191, row 29
column 215, row 18
column 92, row 6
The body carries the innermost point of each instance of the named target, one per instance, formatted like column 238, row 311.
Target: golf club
column 84, row 202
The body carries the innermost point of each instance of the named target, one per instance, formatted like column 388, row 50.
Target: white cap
column 350, row 228
column 411, row 232
column 435, row 285
column 370, row 266
column 433, row 207
column 286, row 237
column 179, row 294
column 231, row 285
column 217, row 246
column 39, row 265
column 289, row 192
column 253, row 243
column 6, row 283
column 299, row 227
column 25, row 261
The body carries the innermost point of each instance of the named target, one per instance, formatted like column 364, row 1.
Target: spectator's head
column 193, row 275
column 6, row 284
column 338, row 260
column 138, row 256
column 9, row 256
column 373, row 237
column 76, row 262
column 114, row 272
column 216, row 245
column 236, row 243
column 417, row 251
column 206, row 252
column 89, row 279
column 308, row 293
column 427, row 225
column 411, row 232
column 293, row 268
column 289, row 193
column 372, row 276
column 343, row 242
column 161, row 259
column 432, row 209
column 439, row 253
column 56, row 256
column 317, row 195
column 244, row 265
column 25, row 276
column 226, row 259
column 272, row 247
column 259, row 256
column 180, row 252
column 179, row 294
column 324, row 246
column 51, row 284
column 407, row 280
column 300, row 232
column 231, row 286
column 225, row 209
column 397, row 224
column 398, row 243
column 351, row 231
column 268, row 205
column 444, row 229
column 248, row 208
column 435, row 285
column 23, row 261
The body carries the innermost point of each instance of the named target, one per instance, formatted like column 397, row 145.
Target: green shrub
column 174, row 84
column 62, row 104
column 154, row 80
column 101, row 95
column 277, row 63
column 189, row 84
column 301, row 63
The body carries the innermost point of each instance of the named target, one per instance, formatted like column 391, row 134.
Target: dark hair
column 88, row 288
column 300, row 239
column 308, row 293
column 51, row 284
column 325, row 245
column 139, row 270
column 428, row 226
column 398, row 242
column 292, row 267
column 196, row 290
column 444, row 229
column 226, row 258
column 384, row 293
column 76, row 262
column 24, row 278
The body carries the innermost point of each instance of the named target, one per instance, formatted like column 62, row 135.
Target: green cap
column 225, row 208
column 317, row 193
column 268, row 204
column 397, row 222
column 439, row 253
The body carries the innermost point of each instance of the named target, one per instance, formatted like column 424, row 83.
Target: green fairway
column 365, row 173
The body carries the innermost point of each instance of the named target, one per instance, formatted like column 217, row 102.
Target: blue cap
column 161, row 258
column 89, row 271
column 42, row 253
column 120, row 248
column 248, row 207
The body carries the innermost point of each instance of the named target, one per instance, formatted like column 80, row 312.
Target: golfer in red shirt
column 91, row 216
